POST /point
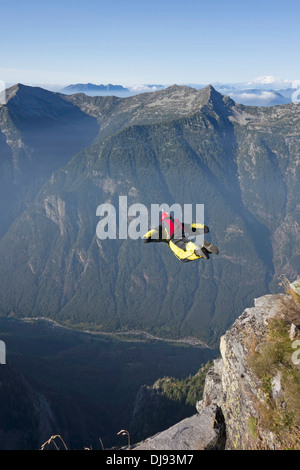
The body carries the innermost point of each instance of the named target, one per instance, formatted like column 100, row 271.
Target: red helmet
column 164, row 216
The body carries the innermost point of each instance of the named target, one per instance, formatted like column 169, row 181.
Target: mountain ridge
column 39, row 132
column 220, row 154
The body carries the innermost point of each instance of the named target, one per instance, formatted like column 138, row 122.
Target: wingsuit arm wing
column 195, row 228
column 153, row 235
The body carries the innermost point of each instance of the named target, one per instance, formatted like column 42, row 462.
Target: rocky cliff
column 251, row 393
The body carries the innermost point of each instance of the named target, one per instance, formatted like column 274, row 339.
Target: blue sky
column 133, row 42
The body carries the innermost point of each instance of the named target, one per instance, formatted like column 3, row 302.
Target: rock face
column 231, row 384
column 205, row 431
column 232, row 391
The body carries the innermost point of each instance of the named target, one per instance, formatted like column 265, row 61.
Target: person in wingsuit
column 174, row 232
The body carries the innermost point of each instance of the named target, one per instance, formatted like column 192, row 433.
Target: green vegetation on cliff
column 276, row 364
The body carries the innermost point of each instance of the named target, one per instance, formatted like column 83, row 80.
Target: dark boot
column 210, row 248
column 202, row 252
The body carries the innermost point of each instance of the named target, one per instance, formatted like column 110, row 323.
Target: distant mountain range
column 256, row 93
column 63, row 155
column 90, row 87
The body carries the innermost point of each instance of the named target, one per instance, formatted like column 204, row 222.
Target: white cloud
column 143, row 88
column 267, row 79
column 271, row 82
column 263, row 98
column 296, row 84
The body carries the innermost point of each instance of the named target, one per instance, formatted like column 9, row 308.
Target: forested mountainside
column 177, row 145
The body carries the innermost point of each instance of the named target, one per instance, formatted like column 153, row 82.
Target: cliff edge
column 251, row 398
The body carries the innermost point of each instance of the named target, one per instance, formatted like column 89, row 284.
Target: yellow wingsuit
column 172, row 232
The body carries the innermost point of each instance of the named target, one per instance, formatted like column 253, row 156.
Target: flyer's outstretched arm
column 195, row 229
column 153, row 235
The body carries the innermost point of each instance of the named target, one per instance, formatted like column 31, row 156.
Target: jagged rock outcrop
column 165, row 403
column 230, row 413
column 205, row 431
column 231, row 384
